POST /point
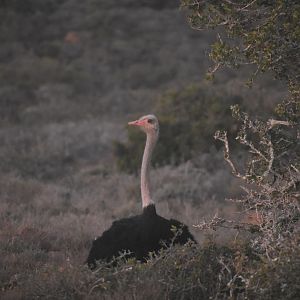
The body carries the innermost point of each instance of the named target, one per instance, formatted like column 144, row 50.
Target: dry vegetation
column 71, row 74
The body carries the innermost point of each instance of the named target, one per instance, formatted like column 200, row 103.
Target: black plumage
column 141, row 234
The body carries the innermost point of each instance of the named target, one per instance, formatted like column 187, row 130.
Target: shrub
column 272, row 175
column 188, row 118
column 179, row 272
column 265, row 34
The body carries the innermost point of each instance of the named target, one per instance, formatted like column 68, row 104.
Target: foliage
column 266, row 34
column 278, row 279
column 272, row 175
column 178, row 272
column 188, row 118
column 108, row 67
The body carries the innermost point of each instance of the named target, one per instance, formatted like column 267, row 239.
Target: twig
column 222, row 136
column 272, row 123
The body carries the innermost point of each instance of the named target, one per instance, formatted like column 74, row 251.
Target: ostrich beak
column 137, row 123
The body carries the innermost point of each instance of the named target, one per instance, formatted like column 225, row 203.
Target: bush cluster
column 188, row 119
column 179, row 272
column 265, row 34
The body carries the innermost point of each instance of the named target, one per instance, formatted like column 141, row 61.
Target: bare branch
column 246, row 6
column 222, row 136
column 273, row 123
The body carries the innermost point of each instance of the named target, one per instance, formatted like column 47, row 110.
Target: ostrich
column 144, row 233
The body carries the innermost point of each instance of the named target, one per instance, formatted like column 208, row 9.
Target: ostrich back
column 140, row 235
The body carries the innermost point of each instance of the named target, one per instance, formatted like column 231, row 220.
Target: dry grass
column 47, row 226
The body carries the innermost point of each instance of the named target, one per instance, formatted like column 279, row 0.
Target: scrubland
column 72, row 74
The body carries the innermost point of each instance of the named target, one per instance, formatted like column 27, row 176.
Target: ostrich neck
column 145, row 182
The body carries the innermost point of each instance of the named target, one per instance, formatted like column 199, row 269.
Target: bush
column 188, row 119
column 265, row 34
column 179, row 272
column 279, row 279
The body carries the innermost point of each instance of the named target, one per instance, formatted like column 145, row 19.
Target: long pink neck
column 145, row 182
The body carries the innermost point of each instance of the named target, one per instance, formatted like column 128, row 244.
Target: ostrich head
column 149, row 124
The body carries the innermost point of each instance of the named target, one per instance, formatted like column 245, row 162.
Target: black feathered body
column 140, row 235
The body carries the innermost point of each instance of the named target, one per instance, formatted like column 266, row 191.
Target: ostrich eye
column 150, row 121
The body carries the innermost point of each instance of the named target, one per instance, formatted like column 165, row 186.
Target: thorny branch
column 222, row 136
column 217, row 222
column 274, row 199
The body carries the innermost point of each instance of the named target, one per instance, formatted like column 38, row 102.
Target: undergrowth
column 179, row 272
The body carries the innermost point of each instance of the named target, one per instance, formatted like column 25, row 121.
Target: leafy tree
column 265, row 34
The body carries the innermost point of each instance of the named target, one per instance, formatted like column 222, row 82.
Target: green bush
column 279, row 279
column 188, row 119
